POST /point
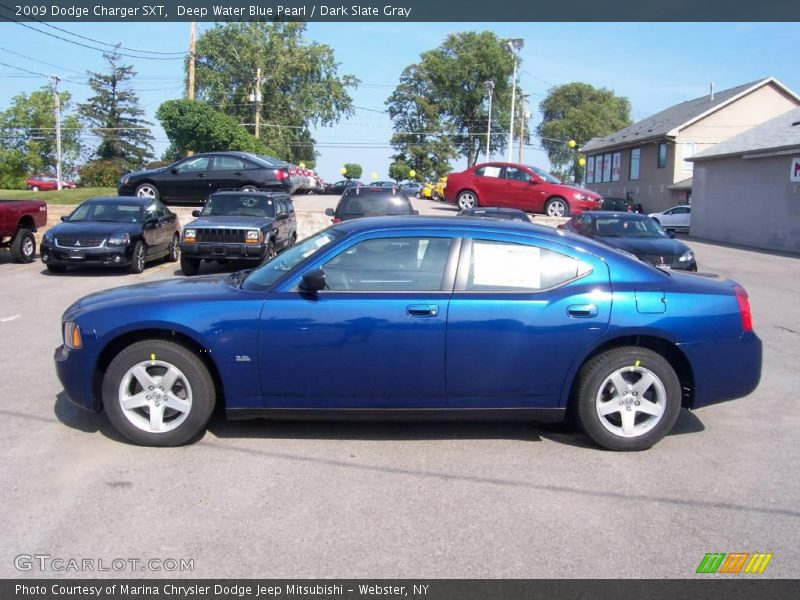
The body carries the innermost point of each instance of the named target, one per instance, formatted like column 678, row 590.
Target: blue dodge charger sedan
column 416, row 317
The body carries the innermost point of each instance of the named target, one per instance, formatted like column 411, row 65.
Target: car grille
column 660, row 260
column 222, row 236
column 79, row 242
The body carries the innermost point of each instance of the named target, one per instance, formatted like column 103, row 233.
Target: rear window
column 374, row 203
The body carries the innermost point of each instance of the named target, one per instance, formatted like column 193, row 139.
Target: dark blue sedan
column 416, row 316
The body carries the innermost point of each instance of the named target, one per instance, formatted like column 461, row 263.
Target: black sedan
column 493, row 212
column 113, row 232
column 637, row 234
column 356, row 203
column 340, row 186
column 192, row 179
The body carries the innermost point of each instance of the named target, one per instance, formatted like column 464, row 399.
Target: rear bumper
column 211, row 251
column 724, row 369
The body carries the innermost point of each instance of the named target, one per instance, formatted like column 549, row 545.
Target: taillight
column 280, row 174
column 744, row 308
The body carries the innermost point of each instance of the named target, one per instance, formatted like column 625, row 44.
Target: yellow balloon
column 343, row 170
column 374, row 175
column 572, row 143
column 412, row 173
column 582, row 162
column 302, row 165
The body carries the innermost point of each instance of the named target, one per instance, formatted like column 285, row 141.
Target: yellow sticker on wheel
column 636, row 364
column 153, row 357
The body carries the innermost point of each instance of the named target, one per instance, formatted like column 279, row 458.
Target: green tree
column 444, row 93
column 300, row 82
column 114, row 115
column 352, row 171
column 193, row 125
column 28, row 128
column 398, row 170
column 578, row 111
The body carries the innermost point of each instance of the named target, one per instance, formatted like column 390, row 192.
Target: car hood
column 646, row 246
column 94, row 229
column 577, row 190
column 144, row 173
column 230, row 222
column 179, row 288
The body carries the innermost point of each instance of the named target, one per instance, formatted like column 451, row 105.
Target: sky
column 654, row 65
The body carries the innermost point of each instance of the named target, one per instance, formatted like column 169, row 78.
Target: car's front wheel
column 158, row 393
column 467, row 200
column 190, row 266
column 137, row 259
column 557, row 207
column 627, row 398
column 35, row 188
column 147, row 190
column 174, row 250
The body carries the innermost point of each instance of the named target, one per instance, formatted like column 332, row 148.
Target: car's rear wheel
column 23, row 246
column 190, row 266
column 35, row 188
column 627, row 398
column 174, row 250
column 137, row 259
column 158, row 393
column 557, row 207
column 467, row 199
column 147, row 190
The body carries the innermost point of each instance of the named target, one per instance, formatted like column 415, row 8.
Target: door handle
column 201, row 175
column 238, row 173
column 422, row 310
column 582, row 311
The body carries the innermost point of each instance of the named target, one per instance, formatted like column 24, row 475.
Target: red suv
column 518, row 186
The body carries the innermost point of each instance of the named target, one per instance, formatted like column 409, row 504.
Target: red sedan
column 45, row 183
column 523, row 187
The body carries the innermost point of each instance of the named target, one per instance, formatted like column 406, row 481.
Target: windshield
column 374, row 203
column 244, row 205
column 621, row 227
column 107, row 212
column 545, row 175
column 266, row 275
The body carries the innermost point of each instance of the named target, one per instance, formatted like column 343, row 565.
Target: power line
column 39, row 61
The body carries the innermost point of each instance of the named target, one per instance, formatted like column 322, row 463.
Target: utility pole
column 57, row 103
column 190, row 86
column 257, row 98
column 523, row 116
column 513, row 46
column 489, row 87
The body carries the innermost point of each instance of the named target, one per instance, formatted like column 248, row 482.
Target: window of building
column 590, row 169
column 662, row 155
column 633, row 173
column 688, row 151
column 616, row 167
column 606, row 168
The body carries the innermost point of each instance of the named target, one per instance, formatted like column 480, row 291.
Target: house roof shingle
column 782, row 132
column 661, row 123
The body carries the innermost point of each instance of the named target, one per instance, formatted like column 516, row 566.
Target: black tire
column 35, row 188
column 467, row 199
column 634, row 362
column 292, row 240
column 174, row 249
column 190, row 266
column 138, row 259
column 203, row 395
column 142, row 188
column 23, row 246
column 271, row 251
column 552, row 204
column 56, row 268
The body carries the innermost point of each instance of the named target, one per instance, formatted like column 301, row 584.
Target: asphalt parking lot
column 448, row 500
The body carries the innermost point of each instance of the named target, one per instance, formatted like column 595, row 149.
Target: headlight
column 48, row 237
column 119, row 240
column 579, row 196
column 687, row 256
column 189, row 235
column 253, row 236
column 72, row 335
column 125, row 179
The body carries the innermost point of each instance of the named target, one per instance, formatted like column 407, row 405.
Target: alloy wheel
column 631, row 401
column 466, row 200
column 146, row 191
column 155, row 396
column 556, row 208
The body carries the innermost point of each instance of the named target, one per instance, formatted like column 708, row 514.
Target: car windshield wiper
column 237, row 278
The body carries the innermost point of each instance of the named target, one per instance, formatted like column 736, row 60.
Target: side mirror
column 282, row 216
column 195, row 213
column 670, row 234
column 329, row 212
column 64, row 218
column 414, row 212
column 313, row 281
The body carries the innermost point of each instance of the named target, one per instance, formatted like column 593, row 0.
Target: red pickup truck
column 19, row 220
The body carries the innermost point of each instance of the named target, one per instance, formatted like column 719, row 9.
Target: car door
column 166, row 226
column 490, row 185
column 186, row 181
column 226, row 172
column 522, row 309
column 281, row 223
column 375, row 338
column 680, row 217
column 519, row 189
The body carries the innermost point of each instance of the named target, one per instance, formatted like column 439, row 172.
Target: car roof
column 269, row 193
column 121, row 200
column 616, row 213
column 426, row 222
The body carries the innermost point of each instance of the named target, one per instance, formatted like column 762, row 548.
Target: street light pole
column 489, row 86
column 57, row 106
column 511, row 45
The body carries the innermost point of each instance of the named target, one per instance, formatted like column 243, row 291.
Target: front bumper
column 211, row 251
column 125, row 190
column 111, row 256
column 580, row 206
column 72, row 374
